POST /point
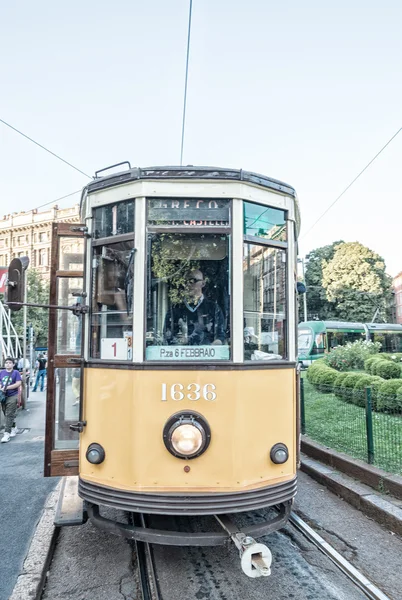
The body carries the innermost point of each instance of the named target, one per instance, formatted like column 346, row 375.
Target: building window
column 2, row 243
column 42, row 257
column 43, row 236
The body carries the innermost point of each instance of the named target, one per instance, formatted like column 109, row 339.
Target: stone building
column 29, row 234
column 397, row 287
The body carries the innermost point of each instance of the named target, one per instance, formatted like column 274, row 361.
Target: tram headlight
column 95, row 454
column 279, row 454
column 186, row 435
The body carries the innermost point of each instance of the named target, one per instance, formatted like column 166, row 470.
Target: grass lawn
column 342, row 426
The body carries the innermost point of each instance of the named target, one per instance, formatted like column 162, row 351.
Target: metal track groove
column 367, row 587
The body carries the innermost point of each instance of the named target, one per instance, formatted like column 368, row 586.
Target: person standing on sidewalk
column 41, row 374
column 10, row 381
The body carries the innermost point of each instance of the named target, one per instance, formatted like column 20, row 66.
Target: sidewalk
column 23, row 491
column 369, row 489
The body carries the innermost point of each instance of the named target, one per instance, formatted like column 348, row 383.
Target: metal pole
column 24, row 351
column 369, row 427
column 305, row 293
column 302, row 413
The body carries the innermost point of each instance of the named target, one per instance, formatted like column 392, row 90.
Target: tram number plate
column 114, row 348
column 192, row 392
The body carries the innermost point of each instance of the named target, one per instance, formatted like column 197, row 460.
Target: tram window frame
column 265, row 242
column 188, row 354
column 122, row 344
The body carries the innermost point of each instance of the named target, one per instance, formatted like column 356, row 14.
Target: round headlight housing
column 279, row 454
column 186, row 435
column 95, row 454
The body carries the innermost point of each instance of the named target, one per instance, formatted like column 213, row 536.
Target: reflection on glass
column 264, row 221
column 67, row 386
column 112, row 298
column 71, row 256
column 264, row 271
column 68, row 325
column 188, row 302
column 390, row 341
column 114, row 219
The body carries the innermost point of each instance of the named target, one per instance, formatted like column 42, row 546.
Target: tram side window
column 264, row 270
column 188, row 297
column 112, row 297
column 113, row 219
column 390, row 342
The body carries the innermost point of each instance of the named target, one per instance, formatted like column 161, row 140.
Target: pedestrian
column 41, row 365
column 10, row 381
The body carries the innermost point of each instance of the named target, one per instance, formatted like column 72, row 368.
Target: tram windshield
column 304, row 340
column 188, row 297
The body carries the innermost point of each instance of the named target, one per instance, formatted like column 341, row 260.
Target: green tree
column 356, row 284
column 38, row 293
column 317, row 301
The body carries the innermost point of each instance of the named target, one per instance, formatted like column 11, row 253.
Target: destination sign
column 190, row 212
column 188, row 353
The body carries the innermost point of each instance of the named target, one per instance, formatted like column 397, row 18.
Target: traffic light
column 27, row 333
column 16, row 282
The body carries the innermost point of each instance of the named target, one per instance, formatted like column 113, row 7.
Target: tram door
column 64, row 350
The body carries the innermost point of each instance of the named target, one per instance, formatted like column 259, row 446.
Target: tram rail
column 150, row 587
column 371, row 590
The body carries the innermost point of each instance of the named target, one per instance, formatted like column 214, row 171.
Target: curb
column 374, row 477
column 31, row 581
column 357, row 494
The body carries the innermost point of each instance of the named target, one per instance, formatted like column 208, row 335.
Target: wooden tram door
column 64, row 350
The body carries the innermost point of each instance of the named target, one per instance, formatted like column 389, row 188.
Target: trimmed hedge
column 387, row 369
column 338, row 381
column 359, row 391
column 390, row 395
column 369, row 363
column 348, row 385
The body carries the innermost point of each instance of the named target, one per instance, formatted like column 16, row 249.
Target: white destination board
column 188, row 353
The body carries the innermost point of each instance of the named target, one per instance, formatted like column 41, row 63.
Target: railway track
column 215, row 578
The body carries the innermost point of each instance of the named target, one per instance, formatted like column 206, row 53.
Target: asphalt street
column 23, row 490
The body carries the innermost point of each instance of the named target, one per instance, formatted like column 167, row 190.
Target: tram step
column 70, row 507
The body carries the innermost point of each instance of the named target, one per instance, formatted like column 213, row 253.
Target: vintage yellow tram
column 172, row 386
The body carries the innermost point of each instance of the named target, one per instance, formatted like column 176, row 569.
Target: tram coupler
column 255, row 558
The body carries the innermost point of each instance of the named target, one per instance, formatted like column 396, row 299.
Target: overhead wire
column 351, row 183
column 185, row 83
column 44, row 148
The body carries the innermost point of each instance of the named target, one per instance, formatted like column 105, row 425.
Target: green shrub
column 325, row 379
column 337, row 385
column 387, row 369
column 359, row 390
column 348, row 384
column 395, row 357
column 351, row 356
column 388, row 395
column 369, row 362
column 377, row 363
column 315, row 369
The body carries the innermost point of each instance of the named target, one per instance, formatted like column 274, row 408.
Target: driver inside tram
column 196, row 321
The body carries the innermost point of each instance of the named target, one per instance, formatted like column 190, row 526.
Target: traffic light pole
column 24, row 354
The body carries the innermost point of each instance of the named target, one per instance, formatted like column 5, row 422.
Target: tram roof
column 187, row 172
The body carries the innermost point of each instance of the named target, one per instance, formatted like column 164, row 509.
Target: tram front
column 188, row 400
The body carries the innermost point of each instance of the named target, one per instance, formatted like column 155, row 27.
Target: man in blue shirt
column 10, row 381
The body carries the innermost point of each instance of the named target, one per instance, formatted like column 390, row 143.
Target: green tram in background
column 315, row 338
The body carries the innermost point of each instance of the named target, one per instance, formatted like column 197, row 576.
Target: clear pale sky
column 307, row 92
